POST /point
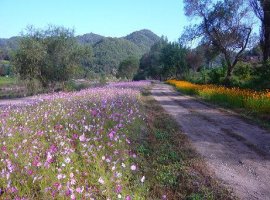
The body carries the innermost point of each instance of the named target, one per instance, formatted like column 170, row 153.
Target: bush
column 262, row 74
column 33, row 86
column 243, row 71
column 216, row 75
column 5, row 68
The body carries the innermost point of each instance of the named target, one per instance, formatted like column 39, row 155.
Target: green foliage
column 243, row 71
column 216, row 75
column 7, row 46
column 261, row 76
column 128, row 68
column 173, row 60
column 6, row 81
column 102, row 79
column 165, row 60
column 50, row 56
column 109, row 52
column 89, row 38
column 144, row 39
column 5, row 68
column 33, row 86
column 71, row 85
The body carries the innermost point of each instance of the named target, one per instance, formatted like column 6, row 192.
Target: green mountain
column 108, row 52
column 143, row 38
column 89, row 38
column 8, row 45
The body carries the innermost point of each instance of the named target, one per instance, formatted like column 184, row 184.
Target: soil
column 235, row 150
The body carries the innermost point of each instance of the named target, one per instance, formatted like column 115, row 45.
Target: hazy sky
column 106, row 17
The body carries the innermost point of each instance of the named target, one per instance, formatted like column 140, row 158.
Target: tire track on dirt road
column 237, row 152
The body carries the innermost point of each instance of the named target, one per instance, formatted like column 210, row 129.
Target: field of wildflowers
column 73, row 146
column 258, row 102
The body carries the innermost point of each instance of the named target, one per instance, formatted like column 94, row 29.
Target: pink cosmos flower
column 67, row 192
column 30, row 172
column 133, row 167
column 118, row 189
column 82, row 138
column 75, row 136
column 111, row 135
column 40, row 133
column 128, row 197
column 3, row 148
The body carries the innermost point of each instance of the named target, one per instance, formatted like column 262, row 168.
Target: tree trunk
column 266, row 28
column 227, row 80
column 228, row 77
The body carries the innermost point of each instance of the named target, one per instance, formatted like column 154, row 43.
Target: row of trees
column 223, row 33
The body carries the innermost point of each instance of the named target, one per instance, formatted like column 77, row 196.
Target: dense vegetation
column 73, row 145
column 108, row 52
column 227, row 52
column 50, row 56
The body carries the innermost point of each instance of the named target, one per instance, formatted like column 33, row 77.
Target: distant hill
column 8, row 45
column 89, row 38
column 11, row 43
column 143, row 38
column 108, row 51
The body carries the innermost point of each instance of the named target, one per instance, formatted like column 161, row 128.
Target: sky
column 115, row 18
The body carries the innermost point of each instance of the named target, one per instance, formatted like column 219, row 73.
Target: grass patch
column 173, row 169
column 7, row 81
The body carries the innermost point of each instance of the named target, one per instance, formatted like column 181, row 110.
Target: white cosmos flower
column 143, row 179
column 101, row 181
column 67, row 160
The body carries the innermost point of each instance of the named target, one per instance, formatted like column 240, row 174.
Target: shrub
column 216, row 75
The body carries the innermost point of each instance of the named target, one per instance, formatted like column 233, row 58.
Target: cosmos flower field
column 73, row 146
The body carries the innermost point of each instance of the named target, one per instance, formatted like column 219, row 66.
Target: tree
column 165, row 60
column 50, row 56
column 194, row 59
column 150, row 63
column 221, row 24
column 261, row 9
column 29, row 59
column 173, row 59
column 128, row 68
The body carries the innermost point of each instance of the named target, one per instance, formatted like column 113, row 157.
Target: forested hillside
column 8, row 45
column 107, row 52
column 89, row 38
column 144, row 39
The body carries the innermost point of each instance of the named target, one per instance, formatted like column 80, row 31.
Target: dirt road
column 237, row 152
column 18, row 101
